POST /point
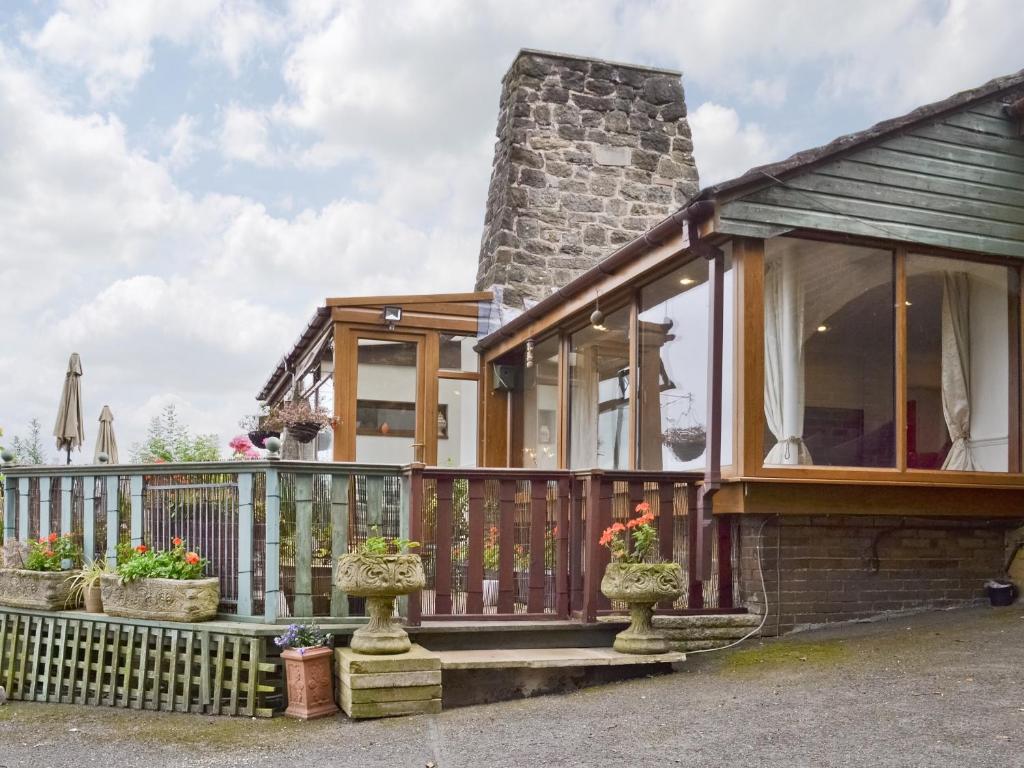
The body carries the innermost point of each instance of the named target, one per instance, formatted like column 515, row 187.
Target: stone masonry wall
column 838, row 568
column 589, row 155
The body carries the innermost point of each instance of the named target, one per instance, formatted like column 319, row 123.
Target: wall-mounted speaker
column 507, row 377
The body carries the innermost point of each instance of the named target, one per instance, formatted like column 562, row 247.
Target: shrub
column 48, row 553
column 176, row 563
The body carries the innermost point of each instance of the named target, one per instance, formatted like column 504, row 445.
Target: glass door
column 388, row 428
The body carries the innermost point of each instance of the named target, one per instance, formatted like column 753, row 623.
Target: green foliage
column 30, row 449
column 168, row 440
column 175, row 563
column 382, row 545
column 632, row 542
column 89, row 576
column 47, row 553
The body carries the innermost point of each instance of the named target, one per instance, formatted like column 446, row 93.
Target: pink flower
column 240, row 444
column 252, row 453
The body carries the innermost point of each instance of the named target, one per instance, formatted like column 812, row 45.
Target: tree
column 30, row 450
column 169, row 440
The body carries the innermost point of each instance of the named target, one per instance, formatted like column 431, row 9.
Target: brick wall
column 837, row 568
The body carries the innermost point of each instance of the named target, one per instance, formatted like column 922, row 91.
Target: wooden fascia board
column 429, row 298
column 409, row 320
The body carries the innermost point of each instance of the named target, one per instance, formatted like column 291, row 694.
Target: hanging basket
column 687, row 443
column 258, row 437
column 304, row 431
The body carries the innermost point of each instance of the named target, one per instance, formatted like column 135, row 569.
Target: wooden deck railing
column 496, row 543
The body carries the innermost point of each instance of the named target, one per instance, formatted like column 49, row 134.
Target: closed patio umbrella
column 68, row 429
column 105, row 440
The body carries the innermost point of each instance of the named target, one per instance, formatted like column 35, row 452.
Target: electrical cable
column 764, row 592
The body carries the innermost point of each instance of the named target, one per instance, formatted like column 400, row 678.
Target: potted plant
column 161, row 585
column 492, row 559
column 641, row 584
column 300, row 420
column 37, row 576
column 306, row 650
column 380, row 570
column 85, row 586
column 259, row 426
column 687, row 443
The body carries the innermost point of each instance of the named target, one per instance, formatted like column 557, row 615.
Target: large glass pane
column 958, row 364
column 457, row 352
column 540, row 407
column 386, row 401
column 599, row 394
column 829, row 354
column 673, row 340
column 456, row 423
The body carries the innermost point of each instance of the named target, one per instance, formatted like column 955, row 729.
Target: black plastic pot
column 258, row 437
column 304, row 432
column 1001, row 594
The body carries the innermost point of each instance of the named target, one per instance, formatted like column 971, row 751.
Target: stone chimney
column 589, row 155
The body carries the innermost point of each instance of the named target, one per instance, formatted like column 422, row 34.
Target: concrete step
column 550, row 658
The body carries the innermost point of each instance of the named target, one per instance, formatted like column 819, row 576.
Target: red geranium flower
column 142, row 549
column 643, row 506
column 192, row 558
column 52, row 537
column 618, row 528
column 48, row 553
column 176, row 541
column 42, row 539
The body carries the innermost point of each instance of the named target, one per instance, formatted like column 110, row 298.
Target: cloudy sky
column 183, row 181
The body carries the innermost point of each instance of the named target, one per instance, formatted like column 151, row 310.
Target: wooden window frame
column 748, row 259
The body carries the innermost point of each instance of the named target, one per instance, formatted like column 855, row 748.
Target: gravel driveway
column 938, row 689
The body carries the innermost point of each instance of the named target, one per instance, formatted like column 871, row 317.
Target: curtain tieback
column 963, row 434
column 792, row 440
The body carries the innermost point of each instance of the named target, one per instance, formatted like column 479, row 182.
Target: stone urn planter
column 42, row 590
column 380, row 579
column 186, row 600
column 310, row 682
column 642, row 585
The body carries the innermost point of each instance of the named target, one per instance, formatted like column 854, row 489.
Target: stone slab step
column 745, row 621
column 417, row 659
column 549, row 658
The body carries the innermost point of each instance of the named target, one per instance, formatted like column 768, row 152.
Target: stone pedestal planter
column 161, row 599
column 44, row 590
column 380, row 579
column 642, row 585
column 310, row 682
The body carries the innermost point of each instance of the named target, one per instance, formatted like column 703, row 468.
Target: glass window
column 599, row 394
column 958, row 364
column 386, row 401
column 457, row 353
column 829, row 368
column 673, row 341
column 456, row 422
column 540, row 407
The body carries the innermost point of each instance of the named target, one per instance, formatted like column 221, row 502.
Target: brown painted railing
column 523, row 544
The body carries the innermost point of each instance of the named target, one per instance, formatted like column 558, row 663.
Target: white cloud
column 245, row 135
column 724, row 146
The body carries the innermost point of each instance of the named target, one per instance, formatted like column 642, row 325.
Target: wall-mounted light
column 822, row 329
column 529, row 353
column 392, row 316
column 687, row 281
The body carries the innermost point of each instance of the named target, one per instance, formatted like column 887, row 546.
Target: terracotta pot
column 186, row 600
column 44, row 590
column 380, row 579
column 310, row 682
column 642, row 585
column 93, row 598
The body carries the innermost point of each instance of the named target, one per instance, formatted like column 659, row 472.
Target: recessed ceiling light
column 687, row 281
column 822, row 328
column 908, row 303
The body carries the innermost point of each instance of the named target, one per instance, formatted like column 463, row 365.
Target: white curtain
column 784, row 363
column 956, row 369
column 583, row 399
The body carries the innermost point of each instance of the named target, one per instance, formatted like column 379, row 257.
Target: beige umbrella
column 106, row 443
column 68, row 429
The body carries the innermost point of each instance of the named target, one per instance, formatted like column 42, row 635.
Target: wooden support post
column 10, row 509
column 112, row 521
column 44, row 507
column 666, row 525
column 303, row 546
column 67, row 484
column 599, row 497
column 443, row 549
column 89, row 517
column 135, row 495
column 272, row 556
column 375, row 503
column 538, row 537
column 694, row 542
column 506, row 545
column 339, row 539
column 245, row 525
column 576, row 549
column 562, row 549
column 23, row 510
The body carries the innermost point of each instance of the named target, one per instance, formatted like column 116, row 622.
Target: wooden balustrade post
column 303, row 603
column 694, row 545
column 135, row 495
column 666, row 526
column 339, row 539
column 272, row 557
column 23, row 510
column 443, row 548
column 562, row 549
column 411, row 522
column 506, row 545
column 475, row 588
column 66, row 487
column 10, row 509
column 245, row 526
column 595, row 556
column 44, row 506
column 576, row 548
column 538, row 536
column 89, row 517
column 112, row 520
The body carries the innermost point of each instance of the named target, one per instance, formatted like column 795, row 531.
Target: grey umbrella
column 68, row 429
column 106, row 443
